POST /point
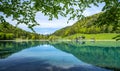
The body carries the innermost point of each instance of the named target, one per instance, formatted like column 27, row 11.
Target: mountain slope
column 88, row 25
column 8, row 32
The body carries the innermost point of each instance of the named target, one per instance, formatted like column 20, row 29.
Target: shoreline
column 59, row 40
column 24, row 40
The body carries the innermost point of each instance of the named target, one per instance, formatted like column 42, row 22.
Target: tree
column 24, row 10
column 110, row 17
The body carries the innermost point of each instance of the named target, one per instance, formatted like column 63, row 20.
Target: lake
column 59, row 56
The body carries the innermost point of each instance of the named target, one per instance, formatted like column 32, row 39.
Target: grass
column 102, row 36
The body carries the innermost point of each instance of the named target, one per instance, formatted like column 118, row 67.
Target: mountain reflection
column 9, row 47
column 59, row 56
column 103, row 54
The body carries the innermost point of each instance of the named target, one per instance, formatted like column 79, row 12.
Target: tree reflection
column 9, row 47
column 106, row 55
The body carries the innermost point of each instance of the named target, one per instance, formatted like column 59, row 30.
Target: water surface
column 59, row 56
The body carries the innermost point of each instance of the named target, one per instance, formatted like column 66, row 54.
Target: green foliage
column 102, row 36
column 89, row 25
column 52, row 38
column 6, row 36
column 110, row 17
column 9, row 32
column 24, row 10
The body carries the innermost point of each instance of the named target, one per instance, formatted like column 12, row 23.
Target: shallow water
column 59, row 56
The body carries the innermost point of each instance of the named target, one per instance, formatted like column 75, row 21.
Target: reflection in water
column 103, row 54
column 9, row 47
column 80, row 42
column 46, row 56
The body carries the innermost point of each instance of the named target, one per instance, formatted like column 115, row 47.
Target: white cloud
column 55, row 23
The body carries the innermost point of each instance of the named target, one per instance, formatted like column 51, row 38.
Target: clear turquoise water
column 59, row 56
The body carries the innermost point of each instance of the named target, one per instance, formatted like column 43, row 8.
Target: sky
column 48, row 27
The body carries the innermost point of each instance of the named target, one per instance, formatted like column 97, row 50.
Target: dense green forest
column 9, row 32
column 94, row 24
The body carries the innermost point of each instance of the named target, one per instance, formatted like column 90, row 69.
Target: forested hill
column 90, row 25
column 9, row 32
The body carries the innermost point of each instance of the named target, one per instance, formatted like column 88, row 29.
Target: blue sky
column 48, row 27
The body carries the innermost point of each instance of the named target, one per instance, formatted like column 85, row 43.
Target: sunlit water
column 59, row 56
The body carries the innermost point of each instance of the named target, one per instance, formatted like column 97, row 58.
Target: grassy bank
column 103, row 36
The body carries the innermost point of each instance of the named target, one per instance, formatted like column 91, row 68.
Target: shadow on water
column 47, row 56
column 102, row 54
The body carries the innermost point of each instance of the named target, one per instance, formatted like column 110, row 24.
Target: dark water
column 59, row 56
